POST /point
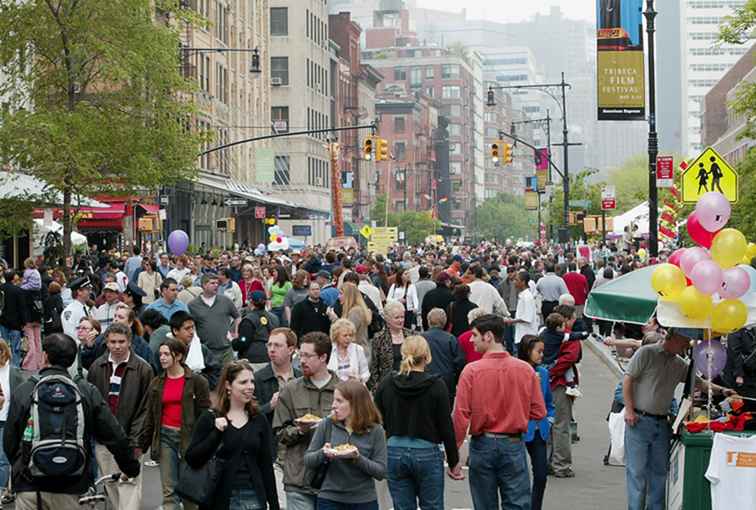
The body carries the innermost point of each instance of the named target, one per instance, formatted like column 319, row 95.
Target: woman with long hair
column 417, row 417
column 530, row 350
column 250, row 282
column 403, row 290
column 348, row 360
column 174, row 402
column 386, row 355
column 242, row 438
column 354, row 308
column 353, row 442
column 278, row 290
column 149, row 281
column 459, row 308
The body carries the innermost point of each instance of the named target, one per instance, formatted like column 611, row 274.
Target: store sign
column 620, row 61
column 608, row 203
column 665, row 172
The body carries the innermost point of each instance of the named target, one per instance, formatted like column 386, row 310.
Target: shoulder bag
column 317, row 476
column 200, row 485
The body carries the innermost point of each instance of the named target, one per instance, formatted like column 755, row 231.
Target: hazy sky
column 513, row 10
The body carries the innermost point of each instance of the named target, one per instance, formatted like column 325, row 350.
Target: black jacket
column 448, row 359
column 589, row 275
column 741, row 358
column 266, row 384
column 254, row 329
column 100, row 424
column 53, row 308
column 138, row 346
column 440, row 297
column 16, row 310
column 417, row 405
column 254, row 449
column 457, row 313
column 307, row 316
column 552, row 342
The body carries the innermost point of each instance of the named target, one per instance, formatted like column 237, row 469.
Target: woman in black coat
column 241, row 436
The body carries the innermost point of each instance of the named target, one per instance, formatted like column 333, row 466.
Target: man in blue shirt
column 167, row 305
column 328, row 292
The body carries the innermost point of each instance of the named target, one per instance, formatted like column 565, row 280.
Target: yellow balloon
column 668, row 280
column 642, row 253
column 729, row 316
column 694, row 304
column 728, row 247
column 750, row 252
column 273, row 237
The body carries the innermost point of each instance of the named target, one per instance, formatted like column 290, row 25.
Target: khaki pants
column 561, row 460
column 50, row 501
column 123, row 495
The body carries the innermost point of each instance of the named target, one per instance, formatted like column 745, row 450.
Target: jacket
column 99, row 423
column 447, row 359
column 254, row 329
column 307, row 316
column 382, row 357
column 543, row 426
column 53, row 308
column 552, row 342
column 254, row 449
column 741, row 358
column 440, row 297
column 138, row 346
column 350, row 482
column 297, row 398
column 570, row 353
column 15, row 312
column 195, row 400
column 134, row 384
column 417, row 405
column 266, row 384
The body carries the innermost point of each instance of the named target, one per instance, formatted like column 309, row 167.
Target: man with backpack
column 123, row 379
column 47, row 436
column 254, row 330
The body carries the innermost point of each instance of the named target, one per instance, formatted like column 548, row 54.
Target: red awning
column 150, row 208
column 114, row 211
column 106, row 225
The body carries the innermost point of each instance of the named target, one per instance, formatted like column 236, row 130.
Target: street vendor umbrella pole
column 628, row 298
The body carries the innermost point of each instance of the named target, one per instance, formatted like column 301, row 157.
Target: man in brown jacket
column 122, row 378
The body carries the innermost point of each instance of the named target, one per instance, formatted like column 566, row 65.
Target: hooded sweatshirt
column 417, row 406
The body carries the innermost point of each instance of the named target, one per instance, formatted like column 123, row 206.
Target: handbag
column 318, row 475
column 200, row 485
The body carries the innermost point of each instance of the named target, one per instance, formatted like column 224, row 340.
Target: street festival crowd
column 352, row 378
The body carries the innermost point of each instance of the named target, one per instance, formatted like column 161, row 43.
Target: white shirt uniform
column 70, row 317
column 526, row 311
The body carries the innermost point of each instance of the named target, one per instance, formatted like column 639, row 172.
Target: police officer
column 79, row 306
column 254, row 330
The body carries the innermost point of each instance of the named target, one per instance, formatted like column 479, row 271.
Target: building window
column 281, row 176
column 455, row 167
column 450, row 71
column 400, row 74
column 455, row 110
column 279, row 69
column 221, row 22
column 416, row 77
column 399, row 125
column 429, row 73
column 455, row 130
column 450, row 92
column 429, row 92
column 279, row 115
column 279, row 21
column 400, row 150
column 221, row 83
column 204, row 73
column 455, row 149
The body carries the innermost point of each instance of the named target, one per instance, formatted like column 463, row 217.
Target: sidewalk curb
column 605, row 356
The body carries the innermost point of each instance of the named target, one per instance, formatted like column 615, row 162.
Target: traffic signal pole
column 653, row 137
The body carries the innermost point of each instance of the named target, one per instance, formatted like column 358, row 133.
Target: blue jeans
column 4, row 464
column 244, row 499
column 647, row 447
column 13, row 337
column 540, row 463
column 327, row 504
column 498, row 468
column 278, row 311
column 170, row 456
column 299, row 501
column 416, row 473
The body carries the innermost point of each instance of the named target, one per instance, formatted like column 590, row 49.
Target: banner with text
column 620, row 63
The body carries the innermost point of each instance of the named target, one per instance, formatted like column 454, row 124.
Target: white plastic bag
column 617, row 436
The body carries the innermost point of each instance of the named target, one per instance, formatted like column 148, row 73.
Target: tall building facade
column 707, row 59
column 301, row 98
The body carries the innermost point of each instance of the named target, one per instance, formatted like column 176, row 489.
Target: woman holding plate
column 352, row 443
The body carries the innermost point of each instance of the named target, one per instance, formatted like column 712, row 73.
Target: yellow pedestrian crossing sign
column 709, row 172
column 366, row 231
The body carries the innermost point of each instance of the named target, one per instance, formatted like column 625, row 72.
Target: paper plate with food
column 344, row 450
column 308, row 419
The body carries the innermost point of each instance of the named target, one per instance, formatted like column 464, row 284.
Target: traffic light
column 367, row 149
column 382, row 152
column 495, row 151
column 507, row 156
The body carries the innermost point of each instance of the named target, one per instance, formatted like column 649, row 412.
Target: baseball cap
column 361, row 269
column 258, row 296
column 110, row 286
column 324, row 274
column 82, row 281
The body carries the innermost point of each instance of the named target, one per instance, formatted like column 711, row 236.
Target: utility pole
column 566, row 165
column 653, row 138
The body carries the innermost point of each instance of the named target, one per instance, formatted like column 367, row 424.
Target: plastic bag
column 617, row 436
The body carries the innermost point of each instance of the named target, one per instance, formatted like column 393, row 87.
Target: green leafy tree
column 581, row 188
column 416, row 225
column 97, row 100
column 504, row 217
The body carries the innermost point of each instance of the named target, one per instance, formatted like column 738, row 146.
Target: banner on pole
column 620, row 61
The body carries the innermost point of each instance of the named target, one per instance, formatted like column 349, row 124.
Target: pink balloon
column 735, row 283
column 707, row 276
column 700, row 235
column 713, row 211
column 674, row 258
column 691, row 257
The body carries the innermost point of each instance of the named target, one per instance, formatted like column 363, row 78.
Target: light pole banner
column 620, row 73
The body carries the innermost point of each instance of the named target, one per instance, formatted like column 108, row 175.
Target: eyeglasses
column 84, row 328
column 307, row 355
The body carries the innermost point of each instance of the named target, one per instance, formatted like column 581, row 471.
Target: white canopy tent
column 637, row 215
column 28, row 187
column 41, row 230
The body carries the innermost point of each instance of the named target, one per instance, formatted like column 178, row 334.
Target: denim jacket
column 543, row 425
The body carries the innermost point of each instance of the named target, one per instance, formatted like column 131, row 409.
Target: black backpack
column 56, row 429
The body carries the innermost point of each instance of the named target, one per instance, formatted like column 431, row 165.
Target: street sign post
column 608, row 203
column 665, row 172
column 709, row 172
column 235, row 202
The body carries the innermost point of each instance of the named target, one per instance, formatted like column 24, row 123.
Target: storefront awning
column 27, row 187
column 113, row 211
column 150, row 208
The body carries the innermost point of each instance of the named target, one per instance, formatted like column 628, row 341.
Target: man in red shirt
column 577, row 284
column 496, row 397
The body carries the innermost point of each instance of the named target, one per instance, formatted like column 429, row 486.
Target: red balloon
column 700, row 235
column 278, row 239
column 675, row 257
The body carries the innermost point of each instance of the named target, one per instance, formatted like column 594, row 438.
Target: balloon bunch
column 178, row 242
column 706, row 281
column 278, row 240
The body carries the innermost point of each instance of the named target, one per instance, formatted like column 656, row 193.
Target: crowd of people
column 351, row 378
